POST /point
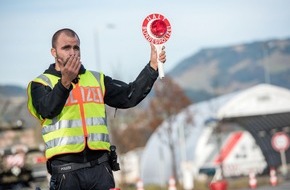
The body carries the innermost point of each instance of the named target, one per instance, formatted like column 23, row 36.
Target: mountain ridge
column 216, row 71
column 9, row 91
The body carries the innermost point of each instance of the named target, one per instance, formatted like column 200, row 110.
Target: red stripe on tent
column 228, row 146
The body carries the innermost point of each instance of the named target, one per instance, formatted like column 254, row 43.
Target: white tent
column 263, row 110
column 258, row 100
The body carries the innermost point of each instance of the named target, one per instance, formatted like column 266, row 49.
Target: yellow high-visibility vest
column 83, row 116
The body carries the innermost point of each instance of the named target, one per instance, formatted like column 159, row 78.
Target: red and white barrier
column 171, row 184
column 252, row 180
column 273, row 177
column 140, row 185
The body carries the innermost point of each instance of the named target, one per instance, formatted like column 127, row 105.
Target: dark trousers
column 98, row 177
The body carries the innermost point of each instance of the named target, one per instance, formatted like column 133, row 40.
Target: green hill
column 216, row 71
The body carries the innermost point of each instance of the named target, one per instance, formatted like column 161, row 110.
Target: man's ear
column 53, row 52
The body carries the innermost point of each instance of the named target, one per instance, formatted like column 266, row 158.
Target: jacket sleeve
column 49, row 102
column 122, row 95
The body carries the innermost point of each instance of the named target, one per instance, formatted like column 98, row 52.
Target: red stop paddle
column 157, row 30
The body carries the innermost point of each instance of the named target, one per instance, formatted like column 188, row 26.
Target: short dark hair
column 67, row 31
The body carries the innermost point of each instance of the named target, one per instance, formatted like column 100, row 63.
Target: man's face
column 65, row 47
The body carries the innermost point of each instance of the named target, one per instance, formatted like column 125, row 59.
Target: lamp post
column 266, row 63
column 97, row 35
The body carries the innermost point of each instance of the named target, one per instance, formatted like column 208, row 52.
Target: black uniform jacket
column 49, row 102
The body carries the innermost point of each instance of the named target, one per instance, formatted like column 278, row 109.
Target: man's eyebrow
column 76, row 47
column 66, row 46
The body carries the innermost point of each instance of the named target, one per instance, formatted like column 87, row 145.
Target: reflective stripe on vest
column 46, row 79
column 83, row 116
column 76, row 140
column 72, row 124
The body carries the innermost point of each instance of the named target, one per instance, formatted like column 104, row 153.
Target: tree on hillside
column 125, row 130
column 132, row 128
column 169, row 99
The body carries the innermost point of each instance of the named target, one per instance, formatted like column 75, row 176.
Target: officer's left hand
column 154, row 56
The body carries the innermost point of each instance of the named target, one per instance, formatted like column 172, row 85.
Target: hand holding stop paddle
column 157, row 30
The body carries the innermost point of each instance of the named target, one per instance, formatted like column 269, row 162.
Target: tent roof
column 262, row 99
column 262, row 110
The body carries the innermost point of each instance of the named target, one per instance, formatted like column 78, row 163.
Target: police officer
column 70, row 103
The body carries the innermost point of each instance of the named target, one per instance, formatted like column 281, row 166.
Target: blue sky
column 111, row 37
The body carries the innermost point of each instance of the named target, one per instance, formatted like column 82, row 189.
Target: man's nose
column 73, row 52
